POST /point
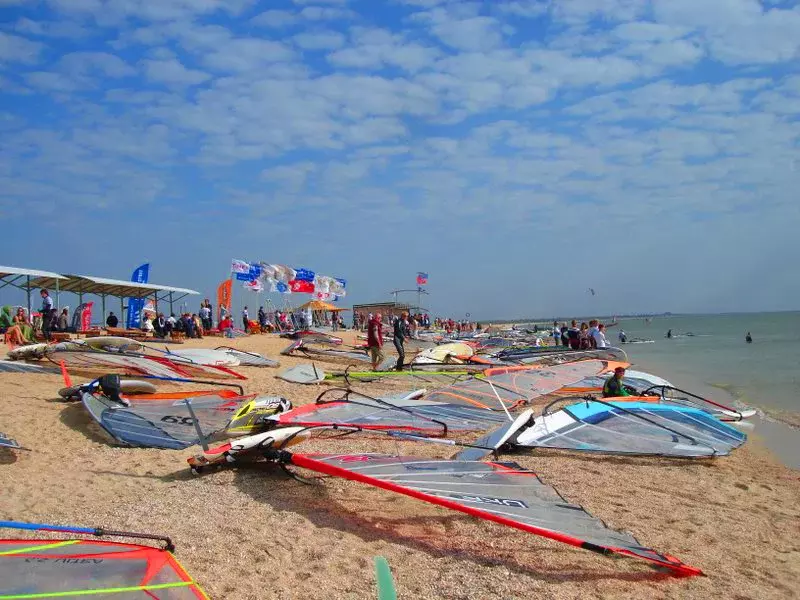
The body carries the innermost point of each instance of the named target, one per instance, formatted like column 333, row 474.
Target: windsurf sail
column 166, row 424
column 551, row 356
column 503, row 493
column 94, row 360
column 7, row 442
column 672, row 395
column 504, row 388
column 89, row 359
column 12, row 366
column 456, row 352
column 638, row 428
column 300, row 347
column 91, row 568
column 249, row 359
column 306, row 374
column 397, row 413
column 309, row 335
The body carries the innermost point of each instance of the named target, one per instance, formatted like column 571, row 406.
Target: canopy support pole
column 29, row 297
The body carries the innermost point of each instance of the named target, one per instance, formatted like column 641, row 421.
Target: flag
column 134, row 317
column 304, row 275
column 422, row 278
column 224, row 298
column 239, row 266
column 254, row 286
column 301, row 287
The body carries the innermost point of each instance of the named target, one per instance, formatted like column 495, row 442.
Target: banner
column 224, row 298
column 134, row 317
column 86, row 316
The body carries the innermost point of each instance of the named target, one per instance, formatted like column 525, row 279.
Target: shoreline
column 780, row 438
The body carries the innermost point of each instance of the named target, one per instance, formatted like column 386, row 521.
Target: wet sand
column 253, row 533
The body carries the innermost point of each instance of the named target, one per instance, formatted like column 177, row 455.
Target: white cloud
column 326, row 13
column 377, row 48
column 472, row 33
column 305, row 2
column 579, row 12
column 110, row 12
column 14, row 48
column 737, row 31
column 275, row 18
column 319, row 40
column 79, row 64
column 51, row 81
column 56, row 29
column 292, row 177
column 247, row 54
column 172, row 72
column 524, row 8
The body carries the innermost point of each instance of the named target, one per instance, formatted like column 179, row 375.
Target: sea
column 709, row 353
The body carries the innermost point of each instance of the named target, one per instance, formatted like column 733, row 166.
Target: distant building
column 385, row 308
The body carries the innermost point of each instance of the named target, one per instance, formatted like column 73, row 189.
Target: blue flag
column 304, row 275
column 135, row 305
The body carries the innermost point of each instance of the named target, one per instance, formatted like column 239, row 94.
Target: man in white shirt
column 245, row 318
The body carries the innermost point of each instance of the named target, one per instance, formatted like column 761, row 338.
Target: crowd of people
column 586, row 336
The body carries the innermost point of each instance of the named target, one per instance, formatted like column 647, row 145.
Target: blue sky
column 518, row 151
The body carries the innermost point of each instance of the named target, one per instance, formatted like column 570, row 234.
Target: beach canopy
column 320, row 305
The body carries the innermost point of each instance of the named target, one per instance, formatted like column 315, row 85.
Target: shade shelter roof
column 102, row 286
column 320, row 305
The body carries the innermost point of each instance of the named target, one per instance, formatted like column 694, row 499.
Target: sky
column 520, row 152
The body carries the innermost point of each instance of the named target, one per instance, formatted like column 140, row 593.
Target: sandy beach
column 253, row 533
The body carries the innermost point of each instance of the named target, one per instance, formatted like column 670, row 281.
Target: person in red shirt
column 375, row 340
column 226, row 326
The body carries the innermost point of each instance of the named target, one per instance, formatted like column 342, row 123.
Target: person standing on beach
column 400, row 336
column 245, row 319
column 613, row 387
column 47, row 313
column 375, row 340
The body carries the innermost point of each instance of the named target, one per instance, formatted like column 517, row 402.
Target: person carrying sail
column 748, row 338
column 613, row 387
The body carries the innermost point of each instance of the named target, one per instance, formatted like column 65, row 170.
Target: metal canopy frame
column 14, row 276
column 88, row 284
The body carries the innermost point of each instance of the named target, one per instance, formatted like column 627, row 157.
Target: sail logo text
column 489, row 500
column 66, row 561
